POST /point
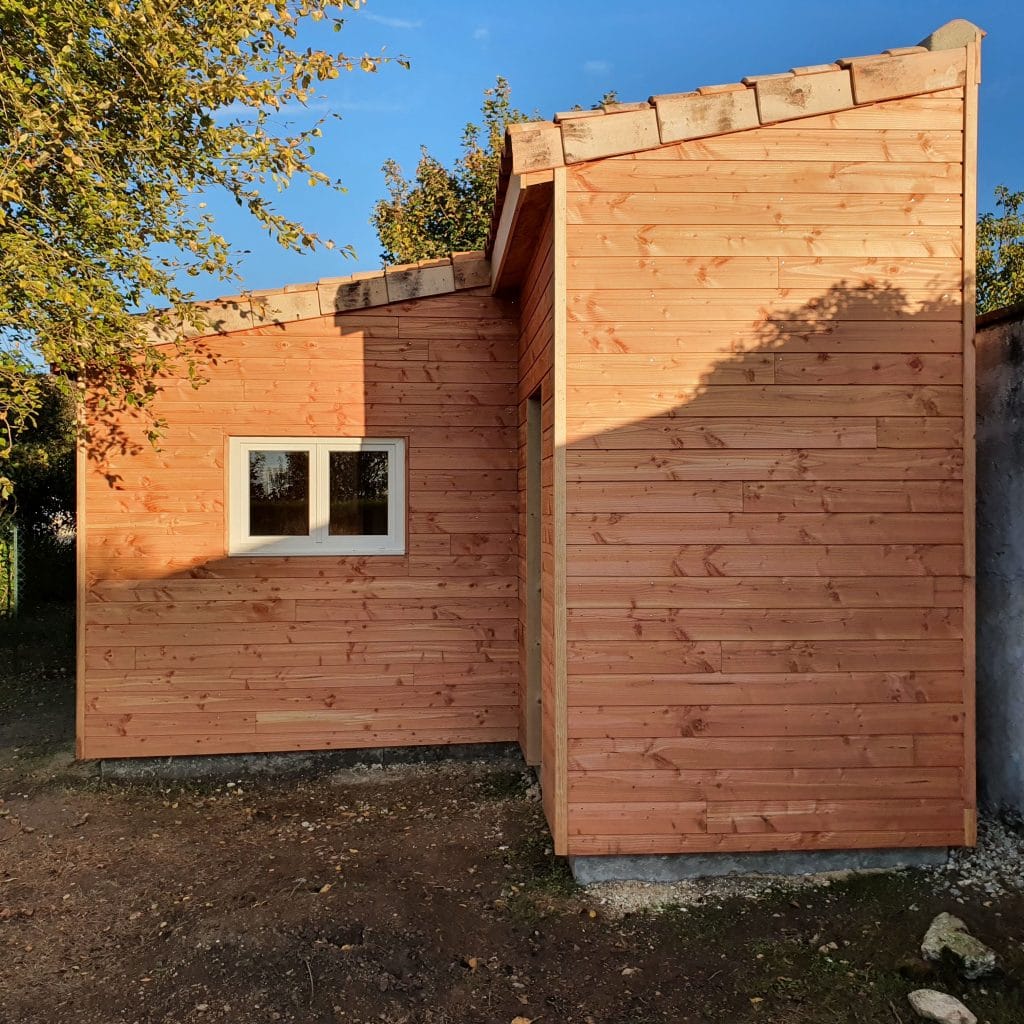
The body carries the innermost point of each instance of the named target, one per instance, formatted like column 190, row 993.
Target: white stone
column 939, row 1007
column 948, row 934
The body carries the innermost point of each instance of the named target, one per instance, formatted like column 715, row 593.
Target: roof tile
column 780, row 99
column 890, row 78
column 693, row 115
column 611, row 135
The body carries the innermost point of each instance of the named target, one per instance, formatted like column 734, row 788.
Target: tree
column 442, row 210
column 1001, row 252
column 118, row 117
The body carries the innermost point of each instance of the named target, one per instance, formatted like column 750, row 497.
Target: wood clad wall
column 536, row 373
column 764, row 488
column 189, row 651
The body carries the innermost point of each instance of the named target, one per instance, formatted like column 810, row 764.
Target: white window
column 316, row 496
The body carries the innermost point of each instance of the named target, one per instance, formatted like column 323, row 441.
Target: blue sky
column 558, row 54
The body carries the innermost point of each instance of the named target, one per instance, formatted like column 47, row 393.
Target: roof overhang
column 534, row 149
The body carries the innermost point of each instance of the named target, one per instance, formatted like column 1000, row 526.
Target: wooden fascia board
column 527, row 197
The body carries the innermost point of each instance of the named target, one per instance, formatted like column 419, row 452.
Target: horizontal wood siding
column 764, row 489
column 188, row 651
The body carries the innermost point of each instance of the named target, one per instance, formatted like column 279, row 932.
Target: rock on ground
column 939, row 1007
column 949, row 934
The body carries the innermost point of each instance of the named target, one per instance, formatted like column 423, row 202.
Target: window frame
column 318, row 541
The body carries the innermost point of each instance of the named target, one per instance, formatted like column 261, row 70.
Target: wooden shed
column 673, row 485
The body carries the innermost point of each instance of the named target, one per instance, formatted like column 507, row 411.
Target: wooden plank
column 678, row 370
column 617, row 405
column 866, row 368
column 556, row 707
column 681, row 816
column 747, row 334
column 937, row 274
column 639, row 690
column 199, row 612
column 338, row 698
column 752, row 752
column 940, row 111
column 684, row 496
column 921, row 432
column 972, row 76
column 779, row 177
column 765, row 240
column 104, row 746
column 921, row 144
column 766, row 463
column 399, row 720
column 412, row 393
column 304, row 654
column 762, row 592
column 751, row 816
column 749, row 785
column 854, row 496
column 696, row 842
column 615, row 272
column 804, row 305
column 750, row 208
column 763, row 528
column 268, row 682
column 750, row 432
column 688, row 625
column 767, row 720
column 766, row 560
column 341, row 587
column 432, row 631
column 81, row 587
column 842, row 656
column 628, row 657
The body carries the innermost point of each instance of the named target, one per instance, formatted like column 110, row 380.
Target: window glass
column 358, row 482
column 278, row 493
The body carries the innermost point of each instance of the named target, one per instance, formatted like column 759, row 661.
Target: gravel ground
column 994, row 867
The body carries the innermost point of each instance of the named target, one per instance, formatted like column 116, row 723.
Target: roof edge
column 939, row 62
column 328, row 296
column 1015, row 311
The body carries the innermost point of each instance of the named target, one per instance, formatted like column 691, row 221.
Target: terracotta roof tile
column 332, row 295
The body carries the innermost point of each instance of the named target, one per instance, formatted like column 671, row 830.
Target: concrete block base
column 680, row 867
column 294, row 763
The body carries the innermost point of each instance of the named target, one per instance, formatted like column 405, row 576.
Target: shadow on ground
column 424, row 895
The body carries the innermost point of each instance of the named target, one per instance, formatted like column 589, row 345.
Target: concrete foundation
column 1000, row 533
column 679, row 867
column 294, row 763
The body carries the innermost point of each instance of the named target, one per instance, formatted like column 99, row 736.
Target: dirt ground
column 425, row 895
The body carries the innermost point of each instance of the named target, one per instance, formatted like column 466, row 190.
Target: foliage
column 1001, row 252
column 20, row 400
column 118, row 116
column 41, row 467
column 42, row 457
column 442, row 210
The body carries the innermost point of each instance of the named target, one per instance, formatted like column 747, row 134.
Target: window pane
column 359, row 493
column 278, row 494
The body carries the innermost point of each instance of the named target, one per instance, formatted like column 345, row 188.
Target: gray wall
column 1001, row 560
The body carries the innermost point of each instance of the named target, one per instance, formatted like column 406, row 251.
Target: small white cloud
column 481, row 35
column 597, row 67
column 403, row 23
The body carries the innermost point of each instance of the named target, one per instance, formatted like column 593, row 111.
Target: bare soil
column 424, row 895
